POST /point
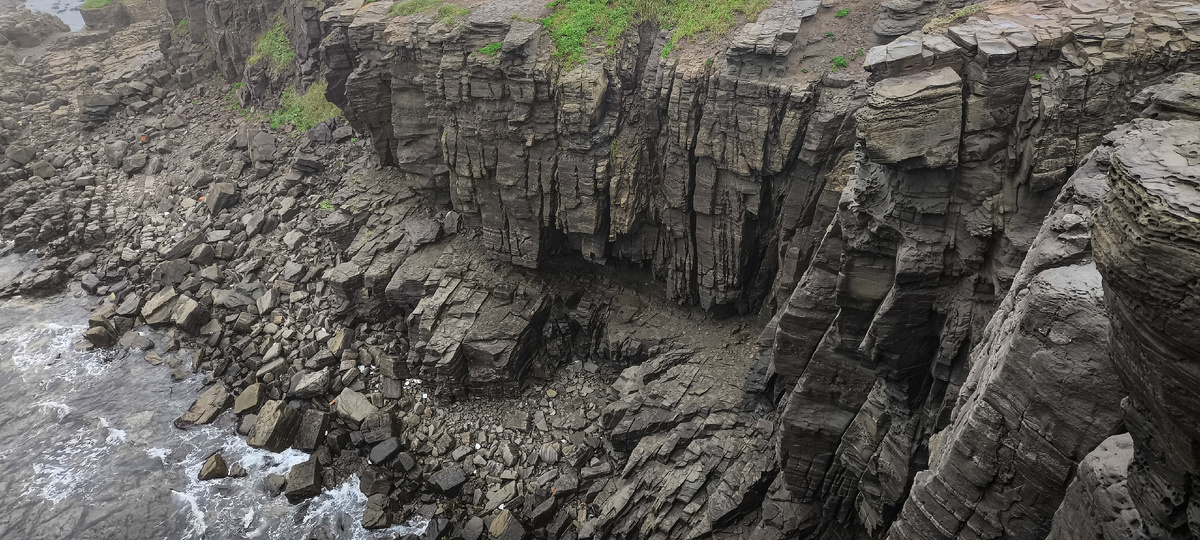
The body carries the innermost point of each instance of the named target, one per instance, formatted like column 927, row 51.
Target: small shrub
column 708, row 63
column 274, row 47
column 96, row 4
column 180, row 29
column 828, row 34
column 840, row 62
column 841, row 13
column 491, row 49
column 304, row 111
column 804, row 71
column 1037, row 76
column 325, row 204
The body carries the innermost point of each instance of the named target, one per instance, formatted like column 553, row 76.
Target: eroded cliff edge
column 920, row 234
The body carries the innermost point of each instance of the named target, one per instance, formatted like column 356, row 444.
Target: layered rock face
column 683, row 163
column 1147, row 249
column 1041, row 392
column 931, row 232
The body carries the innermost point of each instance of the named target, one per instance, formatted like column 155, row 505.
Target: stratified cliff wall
column 704, row 167
column 967, row 137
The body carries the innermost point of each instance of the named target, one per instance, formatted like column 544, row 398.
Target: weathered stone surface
column 1097, row 505
column 1146, row 242
column 250, row 399
column 448, row 480
column 1040, row 378
column 914, row 121
column 309, row 385
column 208, row 406
column 354, row 407
column 303, row 481
column 311, row 432
column 275, row 428
column 928, row 253
column 385, row 450
column 220, row 196
column 214, row 468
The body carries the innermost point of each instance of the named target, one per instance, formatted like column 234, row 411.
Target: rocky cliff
column 717, row 292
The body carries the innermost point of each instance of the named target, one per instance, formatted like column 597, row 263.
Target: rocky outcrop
column 1147, row 249
column 1041, row 392
column 681, row 163
column 931, row 232
column 1097, row 504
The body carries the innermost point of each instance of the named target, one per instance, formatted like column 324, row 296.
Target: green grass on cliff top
column 446, row 13
column 96, row 4
column 304, row 111
column 574, row 24
column 275, row 48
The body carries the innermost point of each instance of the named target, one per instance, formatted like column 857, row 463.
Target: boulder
column 208, row 406
column 354, row 407
column 250, row 399
column 303, row 481
column 311, row 433
column 275, row 428
column 385, row 451
column 214, row 468
column 309, row 385
column 220, row 196
column 448, row 480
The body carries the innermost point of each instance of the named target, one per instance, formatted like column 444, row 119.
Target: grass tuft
column 841, row 13
column 413, row 7
column 304, row 111
column 180, row 29
column 446, row 13
column 840, row 62
column 575, row 24
column 274, row 47
column 944, row 21
column 96, row 4
column 491, row 49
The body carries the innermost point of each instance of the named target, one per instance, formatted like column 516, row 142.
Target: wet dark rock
column 274, row 484
column 214, row 468
column 303, row 481
column 310, row 435
column 448, row 480
column 385, row 451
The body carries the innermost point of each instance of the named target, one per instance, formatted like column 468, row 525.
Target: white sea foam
column 54, row 482
column 115, row 436
column 46, row 344
column 61, row 410
column 196, row 524
column 157, row 452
